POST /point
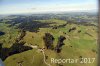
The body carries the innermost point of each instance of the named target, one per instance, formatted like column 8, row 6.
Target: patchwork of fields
column 80, row 41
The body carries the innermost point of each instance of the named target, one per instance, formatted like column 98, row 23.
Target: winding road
column 41, row 50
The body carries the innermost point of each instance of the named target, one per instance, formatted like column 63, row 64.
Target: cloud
column 69, row 7
column 37, row 8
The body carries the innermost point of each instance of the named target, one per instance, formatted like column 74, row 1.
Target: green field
column 80, row 42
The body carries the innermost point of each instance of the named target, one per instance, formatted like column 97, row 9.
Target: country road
column 45, row 58
column 41, row 50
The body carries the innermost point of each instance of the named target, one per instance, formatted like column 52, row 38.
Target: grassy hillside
column 81, row 41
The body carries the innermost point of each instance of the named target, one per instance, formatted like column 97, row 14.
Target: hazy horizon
column 46, row 6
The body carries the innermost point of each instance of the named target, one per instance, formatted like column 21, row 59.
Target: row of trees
column 48, row 40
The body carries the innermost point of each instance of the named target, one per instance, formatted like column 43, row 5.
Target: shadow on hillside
column 33, row 26
column 28, row 24
column 2, row 33
column 14, row 49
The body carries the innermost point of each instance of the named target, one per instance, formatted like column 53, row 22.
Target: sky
column 43, row 6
